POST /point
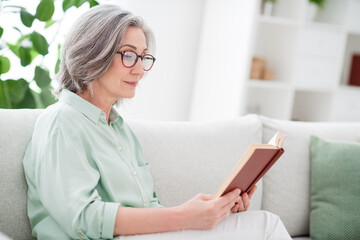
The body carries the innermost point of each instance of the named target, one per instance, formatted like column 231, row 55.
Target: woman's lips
column 133, row 84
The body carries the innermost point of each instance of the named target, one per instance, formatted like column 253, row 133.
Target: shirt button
column 120, row 148
column 134, row 173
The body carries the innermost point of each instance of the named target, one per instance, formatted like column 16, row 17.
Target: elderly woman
column 85, row 168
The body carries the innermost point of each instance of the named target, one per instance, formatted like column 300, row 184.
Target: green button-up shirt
column 80, row 169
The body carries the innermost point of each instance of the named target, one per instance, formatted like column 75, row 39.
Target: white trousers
column 249, row 225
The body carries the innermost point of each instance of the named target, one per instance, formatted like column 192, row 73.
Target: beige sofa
column 187, row 158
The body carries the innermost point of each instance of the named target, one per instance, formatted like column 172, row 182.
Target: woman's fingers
column 252, row 191
column 246, row 200
column 241, row 203
column 235, row 208
column 234, row 203
column 206, row 197
column 229, row 199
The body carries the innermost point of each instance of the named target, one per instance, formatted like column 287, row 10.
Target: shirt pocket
column 148, row 184
column 140, row 158
column 145, row 174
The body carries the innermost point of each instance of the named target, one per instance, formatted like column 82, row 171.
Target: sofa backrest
column 185, row 158
column 286, row 187
column 16, row 127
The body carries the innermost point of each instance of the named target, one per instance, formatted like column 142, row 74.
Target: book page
column 277, row 140
column 273, row 140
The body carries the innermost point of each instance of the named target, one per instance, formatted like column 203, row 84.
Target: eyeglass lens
column 129, row 60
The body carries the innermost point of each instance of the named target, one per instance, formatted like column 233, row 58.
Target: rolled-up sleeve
column 66, row 180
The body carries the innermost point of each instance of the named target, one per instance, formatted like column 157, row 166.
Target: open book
column 253, row 165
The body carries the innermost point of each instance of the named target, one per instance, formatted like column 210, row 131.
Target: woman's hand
column 204, row 212
column 244, row 202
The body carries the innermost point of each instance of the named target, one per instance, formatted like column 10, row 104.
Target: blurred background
column 297, row 60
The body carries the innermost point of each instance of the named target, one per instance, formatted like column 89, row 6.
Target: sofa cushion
column 187, row 158
column 286, row 187
column 16, row 128
column 335, row 189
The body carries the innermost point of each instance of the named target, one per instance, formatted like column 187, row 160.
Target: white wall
column 223, row 62
column 166, row 92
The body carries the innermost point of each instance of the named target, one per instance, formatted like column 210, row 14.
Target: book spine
column 270, row 164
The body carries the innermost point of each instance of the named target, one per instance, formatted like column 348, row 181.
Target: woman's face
column 120, row 81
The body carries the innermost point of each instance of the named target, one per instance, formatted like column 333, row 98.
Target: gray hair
column 92, row 43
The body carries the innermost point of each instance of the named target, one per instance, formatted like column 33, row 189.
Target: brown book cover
column 355, row 71
column 253, row 165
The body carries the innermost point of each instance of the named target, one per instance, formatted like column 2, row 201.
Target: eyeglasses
column 130, row 58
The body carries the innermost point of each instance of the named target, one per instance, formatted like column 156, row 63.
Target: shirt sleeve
column 66, row 181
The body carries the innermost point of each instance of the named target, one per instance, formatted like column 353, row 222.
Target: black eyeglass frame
column 136, row 60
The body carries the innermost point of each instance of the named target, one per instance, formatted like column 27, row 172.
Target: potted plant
column 313, row 7
column 268, row 7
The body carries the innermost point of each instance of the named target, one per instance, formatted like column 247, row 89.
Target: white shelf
column 277, row 44
column 310, row 59
column 272, row 84
column 352, row 46
column 346, row 106
column 325, row 26
column 316, row 89
column 350, row 89
column 352, row 32
column 312, row 106
column 278, row 20
column 262, row 101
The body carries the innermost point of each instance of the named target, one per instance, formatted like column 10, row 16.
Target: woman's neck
column 101, row 101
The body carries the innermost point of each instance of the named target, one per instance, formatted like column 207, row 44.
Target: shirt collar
column 92, row 112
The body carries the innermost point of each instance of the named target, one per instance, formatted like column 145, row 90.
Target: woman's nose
column 138, row 67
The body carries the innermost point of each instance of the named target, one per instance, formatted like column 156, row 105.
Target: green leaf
column 38, row 101
column 49, row 23
column 33, row 54
column 45, row 10
column 22, row 38
column 4, row 64
column 58, row 60
column 93, row 3
column 78, row 3
column 25, row 56
column 14, row 48
column 26, row 18
column 47, row 97
column 39, row 43
column 17, row 29
column 57, row 66
column 1, row 31
column 5, row 101
column 42, row 77
column 67, row 4
column 17, row 90
column 28, row 101
column 13, row 6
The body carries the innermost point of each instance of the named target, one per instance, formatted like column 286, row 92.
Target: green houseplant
column 32, row 91
column 319, row 3
column 313, row 7
column 268, row 6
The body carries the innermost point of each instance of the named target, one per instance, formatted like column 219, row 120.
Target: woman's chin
column 128, row 95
